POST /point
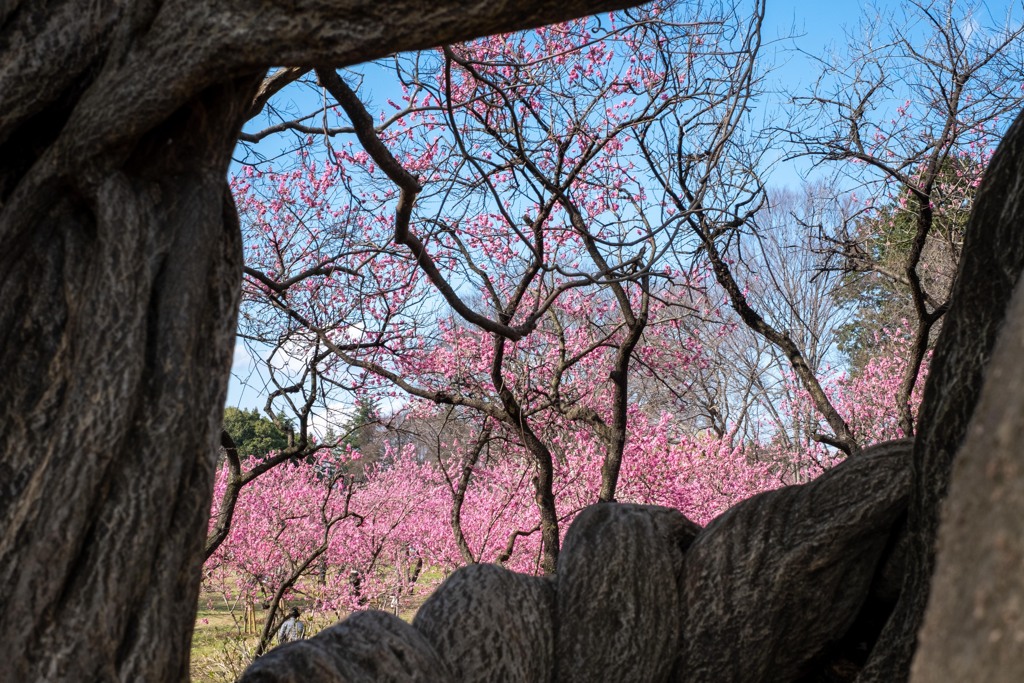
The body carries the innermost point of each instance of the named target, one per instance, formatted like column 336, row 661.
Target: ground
column 221, row 648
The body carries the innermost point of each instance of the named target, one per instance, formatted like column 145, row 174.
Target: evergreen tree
column 254, row 435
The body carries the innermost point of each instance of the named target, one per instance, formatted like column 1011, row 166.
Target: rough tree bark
column 368, row 646
column 490, row 624
column 778, row 580
column 117, row 300
column 993, row 257
column 619, row 599
column 118, row 286
column 119, row 282
column 974, row 626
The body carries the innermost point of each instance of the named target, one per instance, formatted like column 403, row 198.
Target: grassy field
column 222, row 645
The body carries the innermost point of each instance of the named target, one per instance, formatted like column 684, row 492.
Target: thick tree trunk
column 118, row 304
column 489, row 624
column 119, row 281
column 775, row 584
column 993, row 257
column 974, row 625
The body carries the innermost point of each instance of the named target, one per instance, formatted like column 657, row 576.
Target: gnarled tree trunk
column 993, row 257
column 119, row 283
column 974, row 625
column 118, row 304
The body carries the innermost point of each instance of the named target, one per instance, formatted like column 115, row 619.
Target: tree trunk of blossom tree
column 119, row 284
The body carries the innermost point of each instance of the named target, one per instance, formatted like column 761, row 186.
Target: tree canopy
column 253, row 435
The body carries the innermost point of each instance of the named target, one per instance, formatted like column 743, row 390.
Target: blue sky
column 791, row 28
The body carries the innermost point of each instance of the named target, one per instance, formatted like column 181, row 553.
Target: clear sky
column 793, row 29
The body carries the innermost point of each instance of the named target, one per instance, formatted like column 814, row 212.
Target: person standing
column 291, row 629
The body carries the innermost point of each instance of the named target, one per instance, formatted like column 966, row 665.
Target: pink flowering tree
column 328, row 533
column 911, row 113
column 279, row 532
column 922, row 158
column 511, row 183
column 336, row 537
column 867, row 396
column 501, row 250
column 871, row 395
